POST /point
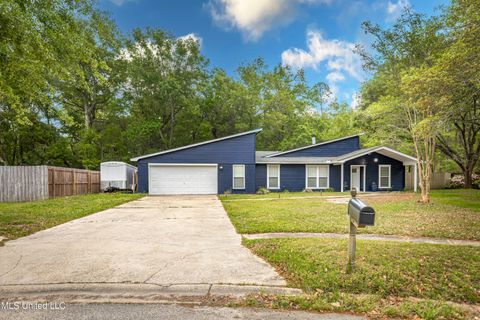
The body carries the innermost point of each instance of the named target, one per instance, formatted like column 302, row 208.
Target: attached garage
column 211, row 167
column 182, row 178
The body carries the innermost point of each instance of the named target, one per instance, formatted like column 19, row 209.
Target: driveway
column 155, row 240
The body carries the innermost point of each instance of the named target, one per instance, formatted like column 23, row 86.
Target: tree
column 402, row 53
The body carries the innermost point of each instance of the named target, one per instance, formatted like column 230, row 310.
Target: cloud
column 255, row 17
column 193, row 37
column 120, row 3
column 335, row 76
column 394, row 10
column 336, row 55
column 356, row 100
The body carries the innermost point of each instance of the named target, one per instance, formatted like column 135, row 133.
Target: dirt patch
column 390, row 197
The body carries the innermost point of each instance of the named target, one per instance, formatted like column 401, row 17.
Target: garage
column 182, row 179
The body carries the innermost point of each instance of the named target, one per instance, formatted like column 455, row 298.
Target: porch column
column 341, row 177
column 415, row 182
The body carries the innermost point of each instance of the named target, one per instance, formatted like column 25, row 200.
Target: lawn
column 281, row 195
column 438, row 272
column 23, row 218
column 453, row 214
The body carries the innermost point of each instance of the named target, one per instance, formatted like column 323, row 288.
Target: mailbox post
column 360, row 215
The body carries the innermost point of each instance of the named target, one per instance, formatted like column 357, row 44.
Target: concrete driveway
column 168, row 240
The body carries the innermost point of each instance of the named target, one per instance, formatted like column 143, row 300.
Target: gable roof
column 312, row 145
column 386, row 151
column 196, row 144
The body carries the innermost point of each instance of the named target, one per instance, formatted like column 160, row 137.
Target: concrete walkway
column 362, row 237
column 182, row 241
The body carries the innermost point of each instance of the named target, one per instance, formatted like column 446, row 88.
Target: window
column 273, row 176
column 317, row 177
column 238, row 176
column 384, row 176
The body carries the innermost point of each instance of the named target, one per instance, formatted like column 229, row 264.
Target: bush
column 458, row 181
column 286, row 190
column 227, row 192
column 329, row 190
column 307, row 190
column 263, row 190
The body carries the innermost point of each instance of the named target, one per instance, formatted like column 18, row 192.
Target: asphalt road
column 164, row 312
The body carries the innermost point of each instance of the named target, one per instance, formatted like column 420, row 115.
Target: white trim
column 170, row 164
column 341, row 177
column 389, row 176
column 415, row 177
column 367, row 151
column 313, row 145
column 268, row 177
column 195, row 145
column 233, row 176
column 364, row 176
column 178, row 165
column 317, row 176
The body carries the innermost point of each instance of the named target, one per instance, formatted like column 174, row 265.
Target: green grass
column 374, row 306
column 438, row 272
column 23, row 218
column 453, row 214
column 280, row 195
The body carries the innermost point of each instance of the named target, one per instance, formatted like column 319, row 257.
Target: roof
column 265, row 157
column 196, row 144
column 262, row 157
column 313, row 145
column 386, row 151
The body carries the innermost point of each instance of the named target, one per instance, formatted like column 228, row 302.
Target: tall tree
column 401, row 54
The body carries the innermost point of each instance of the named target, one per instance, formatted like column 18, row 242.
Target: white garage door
column 182, row 179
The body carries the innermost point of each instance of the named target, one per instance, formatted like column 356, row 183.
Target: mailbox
column 360, row 214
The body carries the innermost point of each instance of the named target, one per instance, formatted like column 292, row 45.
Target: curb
column 133, row 292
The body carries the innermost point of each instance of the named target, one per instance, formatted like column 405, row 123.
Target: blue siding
column 397, row 171
column 333, row 149
column 238, row 150
column 292, row 177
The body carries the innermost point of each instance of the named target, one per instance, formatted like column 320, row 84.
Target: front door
column 355, row 177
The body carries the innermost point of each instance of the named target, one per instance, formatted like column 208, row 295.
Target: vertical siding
column 225, row 153
column 333, row 149
column 397, row 171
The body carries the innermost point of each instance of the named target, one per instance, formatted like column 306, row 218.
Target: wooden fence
column 30, row 183
column 439, row 180
column 66, row 181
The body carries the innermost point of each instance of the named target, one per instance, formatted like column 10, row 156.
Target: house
column 233, row 164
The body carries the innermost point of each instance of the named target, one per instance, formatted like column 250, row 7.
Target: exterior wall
column 333, row 149
column 397, row 171
column 238, row 150
column 292, row 177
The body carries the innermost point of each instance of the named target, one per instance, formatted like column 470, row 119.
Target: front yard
column 453, row 214
column 20, row 219
column 392, row 279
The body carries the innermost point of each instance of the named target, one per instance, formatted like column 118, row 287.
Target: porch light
column 375, row 160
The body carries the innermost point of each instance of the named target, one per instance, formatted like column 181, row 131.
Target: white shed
column 117, row 174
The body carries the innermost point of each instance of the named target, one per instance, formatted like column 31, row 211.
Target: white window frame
column 233, row 176
column 380, row 166
column 268, row 176
column 317, row 176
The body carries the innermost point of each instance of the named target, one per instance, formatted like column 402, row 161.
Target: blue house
column 232, row 163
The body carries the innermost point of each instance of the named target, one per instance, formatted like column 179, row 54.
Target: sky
column 316, row 35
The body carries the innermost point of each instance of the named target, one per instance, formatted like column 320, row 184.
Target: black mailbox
column 360, row 214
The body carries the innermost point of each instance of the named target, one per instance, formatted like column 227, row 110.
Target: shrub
column 458, row 181
column 286, row 190
column 227, row 192
column 307, row 190
column 329, row 190
column 263, row 190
